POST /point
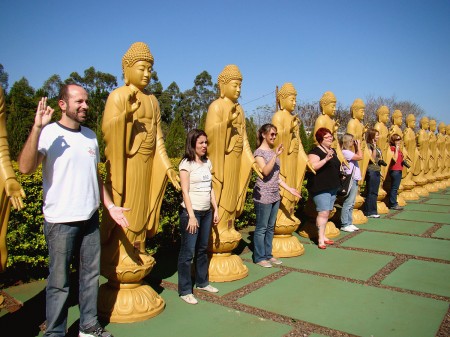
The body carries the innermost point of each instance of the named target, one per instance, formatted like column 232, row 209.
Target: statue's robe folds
column 136, row 165
column 231, row 158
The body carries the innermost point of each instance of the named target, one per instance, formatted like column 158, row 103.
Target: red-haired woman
column 324, row 185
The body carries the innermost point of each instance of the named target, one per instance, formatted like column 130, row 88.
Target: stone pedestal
column 125, row 298
column 284, row 244
column 381, row 206
column 358, row 216
column 309, row 230
column 225, row 266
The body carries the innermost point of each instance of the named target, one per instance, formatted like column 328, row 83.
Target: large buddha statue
column 325, row 120
column 442, row 154
column 383, row 143
column 433, row 157
column 429, row 172
column 409, row 143
column 138, row 170
column 447, row 152
column 397, row 121
column 356, row 128
column 293, row 163
column 422, row 146
column 232, row 161
column 11, row 193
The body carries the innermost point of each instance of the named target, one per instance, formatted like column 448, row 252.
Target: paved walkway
column 392, row 278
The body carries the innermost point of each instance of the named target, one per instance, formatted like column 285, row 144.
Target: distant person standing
column 72, row 191
column 266, row 195
column 373, row 174
column 395, row 171
column 197, row 213
column 351, row 149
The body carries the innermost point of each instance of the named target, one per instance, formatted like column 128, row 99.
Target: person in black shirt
column 324, row 185
column 373, row 175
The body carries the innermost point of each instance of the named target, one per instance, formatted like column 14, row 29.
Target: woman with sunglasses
column 395, row 171
column 266, row 195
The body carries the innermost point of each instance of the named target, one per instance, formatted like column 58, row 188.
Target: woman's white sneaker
column 209, row 288
column 189, row 298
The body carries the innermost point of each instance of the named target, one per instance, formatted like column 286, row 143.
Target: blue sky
column 353, row 48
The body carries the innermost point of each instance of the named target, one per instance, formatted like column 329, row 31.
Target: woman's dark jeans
column 396, row 178
column 372, row 186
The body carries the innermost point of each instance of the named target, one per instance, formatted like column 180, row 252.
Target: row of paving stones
column 389, row 279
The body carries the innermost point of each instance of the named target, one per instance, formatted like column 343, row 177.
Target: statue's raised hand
column 133, row 103
column 43, row 114
column 234, row 113
column 174, row 178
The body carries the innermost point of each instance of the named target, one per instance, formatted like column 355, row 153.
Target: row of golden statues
column 138, row 170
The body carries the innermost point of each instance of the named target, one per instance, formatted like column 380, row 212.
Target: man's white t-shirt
column 69, row 172
column 200, row 179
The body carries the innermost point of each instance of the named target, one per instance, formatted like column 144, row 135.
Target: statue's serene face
column 139, row 74
column 441, row 129
column 359, row 113
column 398, row 120
column 330, row 109
column 412, row 123
column 432, row 126
column 424, row 125
column 288, row 103
column 232, row 90
column 447, row 130
column 383, row 117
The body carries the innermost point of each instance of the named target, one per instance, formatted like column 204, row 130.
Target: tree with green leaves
column 251, row 128
column 176, row 138
column 3, row 78
column 21, row 112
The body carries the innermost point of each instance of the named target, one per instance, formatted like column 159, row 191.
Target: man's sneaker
column 354, row 228
column 189, row 298
column 376, row 216
column 209, row 288
column 275, row 261
column 95, row 331
column 397, row 208
column 347, row 228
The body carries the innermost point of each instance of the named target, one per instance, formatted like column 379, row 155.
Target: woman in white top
column 351, row 149
column 196, row 215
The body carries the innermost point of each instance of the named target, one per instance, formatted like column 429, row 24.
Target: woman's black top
column 327, row 177
column 373, row 166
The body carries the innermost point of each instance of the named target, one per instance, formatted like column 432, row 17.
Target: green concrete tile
column 356, row 309
column 443, row 232
column 423, row 216
column 396, row 243
column 438, row 201
column 201, row 320
column 26, row 291
column 254, row 273
column 439, row 195
column 399, row 226
column 427, row 208
column 340, row 262
column 424, row 276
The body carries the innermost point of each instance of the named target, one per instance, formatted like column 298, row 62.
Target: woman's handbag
column 346, row 182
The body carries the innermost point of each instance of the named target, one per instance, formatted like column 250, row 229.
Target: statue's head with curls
column 328, row 103
column 229, row 81
column 137, row 53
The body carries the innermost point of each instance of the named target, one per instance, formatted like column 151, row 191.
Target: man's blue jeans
column 396, row 178
column 347, row 205
column 65, row 240
column 372, row 186
column 266, row 215
column 194, row 245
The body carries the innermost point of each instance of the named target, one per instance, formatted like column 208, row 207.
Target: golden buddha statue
column 422, row 146
column 397, row 121
column 138, row 170
column 441, row 154
column 11, row 193
column 432, row 173
column 430, row 159
column 383, row 143
column 356, row 128
column 293, row 163
column 409, row 143
column 232, row 160
column 325, row 120
column 447, row 152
